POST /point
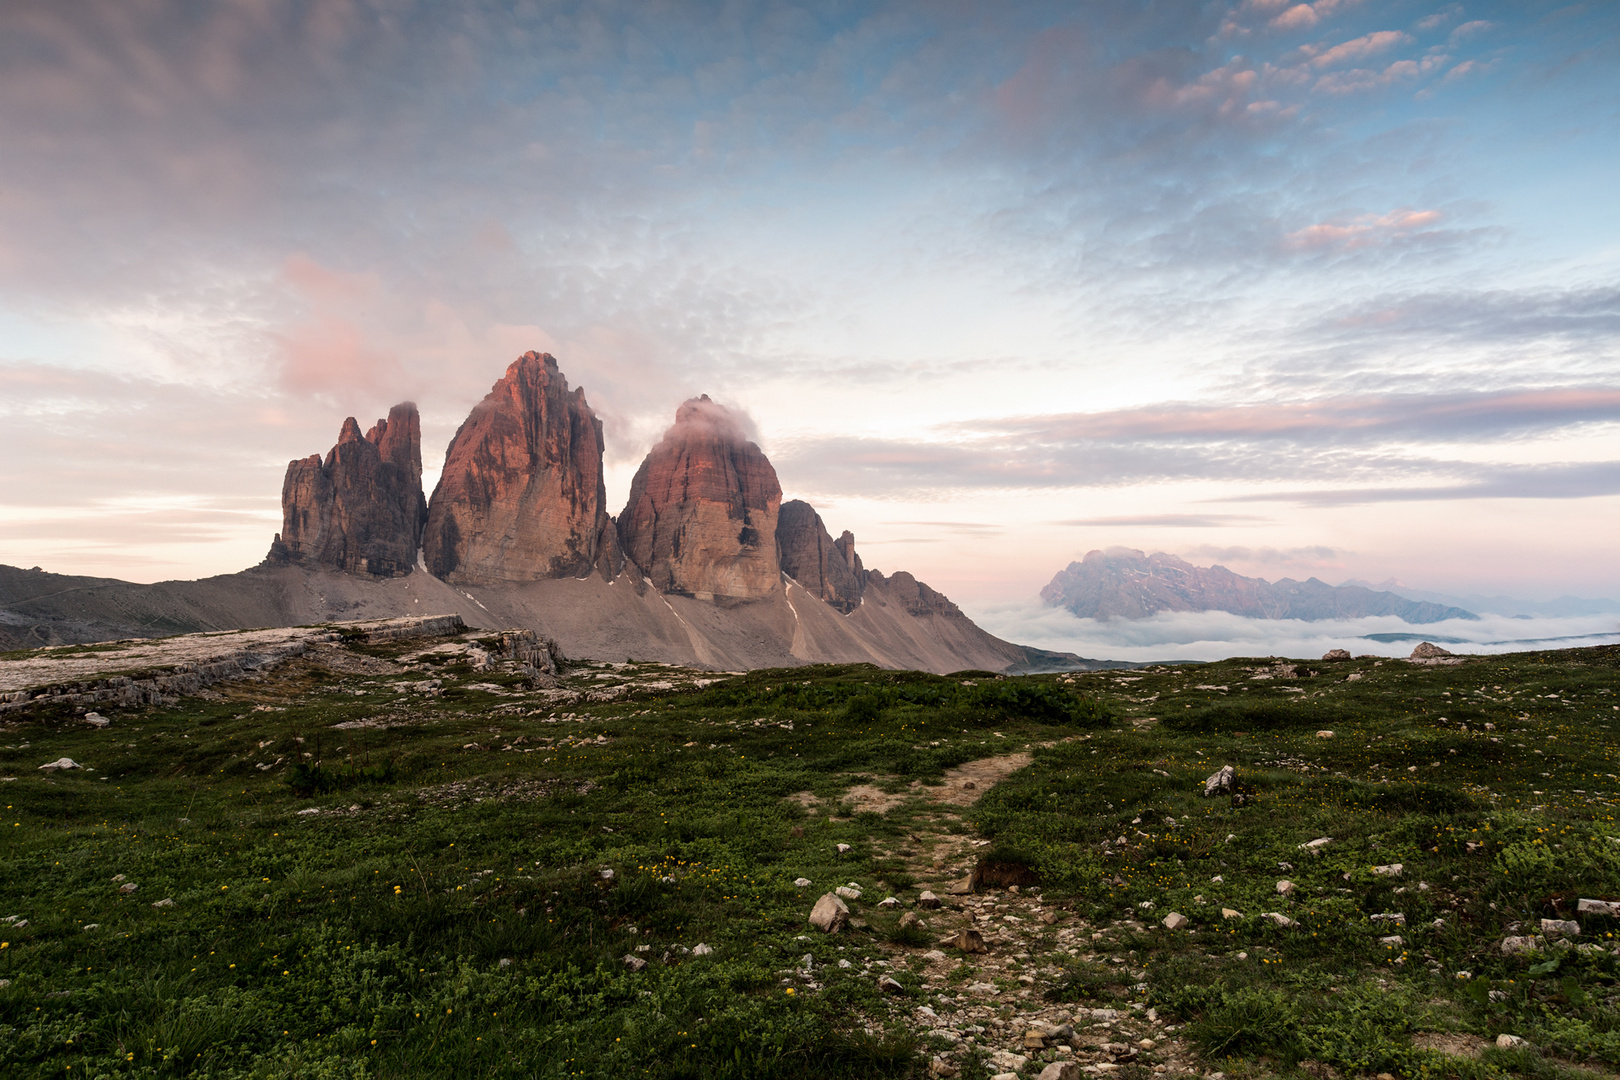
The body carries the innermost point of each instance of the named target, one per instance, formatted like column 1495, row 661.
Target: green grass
column 446, row 913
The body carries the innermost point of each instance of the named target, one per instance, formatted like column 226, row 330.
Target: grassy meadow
column 341, row 869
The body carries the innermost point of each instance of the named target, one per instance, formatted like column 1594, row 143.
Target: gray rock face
column 1124, row 583
column 361, row 509
column 828, row 568
column 1222, row 781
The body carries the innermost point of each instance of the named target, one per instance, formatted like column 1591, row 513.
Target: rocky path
column 996, row 953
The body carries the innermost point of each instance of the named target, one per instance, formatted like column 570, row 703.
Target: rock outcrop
column 361, row 509
column 826, row 567
column 1123, row 583
column 702, row 515
column 522, row 497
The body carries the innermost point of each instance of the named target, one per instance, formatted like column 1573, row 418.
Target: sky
column 1323, row 289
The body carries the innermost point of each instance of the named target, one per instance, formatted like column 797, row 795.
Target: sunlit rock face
column 522, row 497
column 361, row 509
column 703, row 508
column 826, row 567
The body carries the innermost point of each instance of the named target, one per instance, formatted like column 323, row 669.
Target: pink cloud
column 327, row 350
column 1361, row 232
column 1360, row 48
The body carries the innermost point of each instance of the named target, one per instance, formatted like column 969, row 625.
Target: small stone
column 1393, row 940
column 311, row 810
column 165, row 902
column 1174, row 921
column 1145, row 1044
column 1392, row 870
column 60, row 763
column 95, row 719
column 633, row 962
column 1229, row 913
column 801, row 883
column 830, row 914
column 1316, row 845
column 605, row 875
column 970, row 941
column 1050, row 918
column 909, row 919
column 890, row 986
column 842, row 849
column 934, row 956
column 701, row 949
column 941, row 1067
column 962, row 887
column 1324, row 734
column 1505, row 1041
column 1598, row 907
column 888, row 902
column 1034, row 1040
column 118, row 877
column 1560, row 928
column 968, row 785
column 92, row 926
column 1284, row 888
column 128, row 887
column 1518, row 946
column 506, row 962
column 1336, row 654
column 1060, row 1070
column 1279, row 918
column 927, row 900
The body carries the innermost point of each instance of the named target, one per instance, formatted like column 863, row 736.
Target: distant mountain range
column 1122, row 583
column 1512, row 606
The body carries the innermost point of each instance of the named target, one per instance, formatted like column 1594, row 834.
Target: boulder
column 702, row 515
column 830, row 914
column 810, row 556
column 522, row 497
column 1220, row 782
column 1599, row 907
column 1428, row 650
column 1336, row 654
column 360, row 510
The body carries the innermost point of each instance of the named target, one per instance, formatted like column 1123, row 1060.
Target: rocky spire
column 703, row 507
column 828, row 568
column 360, row 510
column 521, row 497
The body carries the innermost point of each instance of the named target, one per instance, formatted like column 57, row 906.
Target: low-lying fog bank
column 1216, row 635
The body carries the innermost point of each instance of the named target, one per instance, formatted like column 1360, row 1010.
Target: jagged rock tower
column 521, row 497
column 360, row 510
